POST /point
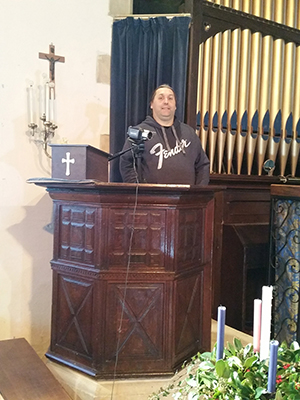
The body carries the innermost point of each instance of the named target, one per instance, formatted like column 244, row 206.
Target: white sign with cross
column 68, row 161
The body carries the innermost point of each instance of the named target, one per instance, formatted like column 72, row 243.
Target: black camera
column 139, row 134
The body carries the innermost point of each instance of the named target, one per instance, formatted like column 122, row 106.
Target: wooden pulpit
column 132, row 276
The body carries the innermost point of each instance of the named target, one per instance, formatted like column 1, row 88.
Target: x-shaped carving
column 136, row 321
column 187, row 321
column 75, row 313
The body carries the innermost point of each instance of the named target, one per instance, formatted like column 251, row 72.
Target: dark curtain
column 145, row 54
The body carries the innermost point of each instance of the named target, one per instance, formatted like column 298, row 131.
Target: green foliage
column 239, row 376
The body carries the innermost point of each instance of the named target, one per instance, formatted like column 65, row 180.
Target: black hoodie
column 173, row 155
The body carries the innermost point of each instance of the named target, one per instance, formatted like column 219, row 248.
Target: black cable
column 126, row 277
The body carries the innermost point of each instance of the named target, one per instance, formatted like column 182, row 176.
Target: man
column 173, row 155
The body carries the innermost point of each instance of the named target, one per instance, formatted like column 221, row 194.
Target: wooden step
column 24, row 376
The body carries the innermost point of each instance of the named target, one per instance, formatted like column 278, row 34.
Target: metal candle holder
column 44, row 135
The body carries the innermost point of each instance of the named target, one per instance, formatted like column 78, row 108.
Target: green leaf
column 220, row 367
column 191, row 382
column 206, row 356
column 238, row 344
column 207, row 382
column 231, row 348
column 234, row 361
column 206, row 366
column 259, row 391
column 295, row 346
column 278, row 395
column 249, row 361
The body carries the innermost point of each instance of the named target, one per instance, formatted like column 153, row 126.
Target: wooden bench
column 23, row 375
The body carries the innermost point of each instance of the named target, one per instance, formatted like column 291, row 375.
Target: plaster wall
column 81, row 32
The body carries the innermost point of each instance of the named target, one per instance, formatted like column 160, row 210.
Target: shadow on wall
column 97, row 127
column 33, row 235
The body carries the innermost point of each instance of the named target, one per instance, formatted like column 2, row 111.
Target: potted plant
column 238, row 375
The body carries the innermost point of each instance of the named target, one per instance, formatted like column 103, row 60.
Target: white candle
column 30, row 104
column 42, row 99
column 51, row 110
column 51, row 102
column 54, row 111
column 266, row 314
column 256, row 325
column 47, row 101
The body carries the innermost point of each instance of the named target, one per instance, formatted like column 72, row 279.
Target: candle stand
column 44, row 135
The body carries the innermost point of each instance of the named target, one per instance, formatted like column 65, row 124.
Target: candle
column 30, row 104
column 266, row 311
column 51, row 110
column 42, row 99
column 51, row 101
column 47, row 98
column 272, row 366
column 256, row 325
column 220, row 332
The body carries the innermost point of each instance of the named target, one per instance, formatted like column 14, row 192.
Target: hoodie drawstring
column 177, row 140
column 165, row 138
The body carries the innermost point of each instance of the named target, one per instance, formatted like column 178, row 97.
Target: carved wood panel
column 148, row 240
column 190, row 237
column 74, row 316
column 135, row 327
column 188, row 327
column 77, row 234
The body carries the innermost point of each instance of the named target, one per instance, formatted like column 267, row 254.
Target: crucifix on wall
column 52, row 58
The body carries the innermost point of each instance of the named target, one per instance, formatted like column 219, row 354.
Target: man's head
column 163, row 105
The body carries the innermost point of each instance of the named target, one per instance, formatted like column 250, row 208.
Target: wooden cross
column 52, row 58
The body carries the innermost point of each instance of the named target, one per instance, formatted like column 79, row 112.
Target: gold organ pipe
column 242, row 90
column 200, row 67
column 232, row 89
column 295, row 145
column 223, row 97
column 232, row 94
column 287, row 89
column 296, row 97
column 254, row 82
column 264, row 91
column 236, row 4
column 276, row 81
column 242, row 71
column 205, row 89
column 214, row 90
column 200, row 75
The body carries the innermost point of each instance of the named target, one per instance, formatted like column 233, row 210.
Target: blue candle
column 272, row 366
column 220, row 332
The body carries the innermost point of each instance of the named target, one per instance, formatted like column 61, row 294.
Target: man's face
column 163, row 106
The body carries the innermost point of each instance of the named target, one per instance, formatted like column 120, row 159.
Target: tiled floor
column 81, row 387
